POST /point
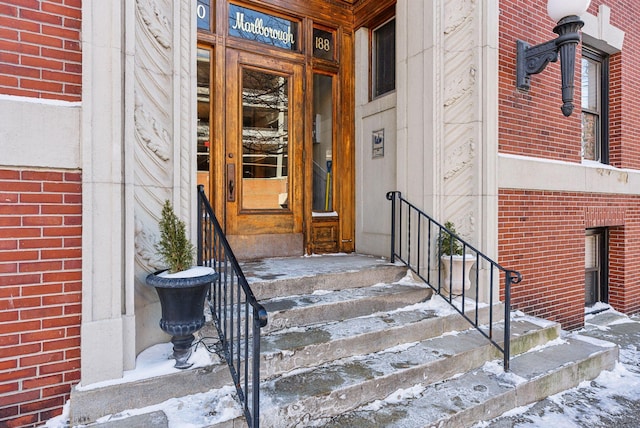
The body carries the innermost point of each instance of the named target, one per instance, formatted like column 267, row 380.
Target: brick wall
column 40, row 293
column 531, row 123
column 40, row 51
column 542, row 235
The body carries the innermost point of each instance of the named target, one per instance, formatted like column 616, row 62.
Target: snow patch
column 508, row 378
column 192, row 272
column 152, row 362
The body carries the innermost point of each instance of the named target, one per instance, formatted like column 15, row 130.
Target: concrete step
column 138, row 390
column 481, row 394
column 297, row 348
column 349, row 335
column 297, row 398
column 325, row 306
column 305, row 275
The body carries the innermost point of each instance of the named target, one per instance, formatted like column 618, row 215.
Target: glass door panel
column 204, row 114
column 265, row 140
column 322, row 143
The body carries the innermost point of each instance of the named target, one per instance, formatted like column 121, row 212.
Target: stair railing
column 236, row 313
column 416, row 238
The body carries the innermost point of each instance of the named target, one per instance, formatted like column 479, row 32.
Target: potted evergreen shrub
column 181, row 287
column 455, row 264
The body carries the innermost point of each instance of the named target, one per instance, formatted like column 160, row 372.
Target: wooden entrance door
column 263, row 163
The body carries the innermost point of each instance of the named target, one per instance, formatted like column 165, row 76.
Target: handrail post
column 200, row 213
column 391, row 196
column 507, row 320
column 510, row 277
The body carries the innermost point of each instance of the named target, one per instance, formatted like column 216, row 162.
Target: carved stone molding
column 457, row 14
column 145, row 241
column 156, row 21
column 154, row 150
column 461, row 107
column 153, row 136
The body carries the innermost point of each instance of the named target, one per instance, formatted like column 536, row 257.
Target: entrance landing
column 308, row 266
column 290, row 276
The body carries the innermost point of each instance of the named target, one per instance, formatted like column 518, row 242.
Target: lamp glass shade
column 558, row 9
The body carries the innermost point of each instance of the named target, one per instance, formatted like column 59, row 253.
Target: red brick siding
column 531, row 123
column 542, row 235
column 40, row 50
column 40, row 293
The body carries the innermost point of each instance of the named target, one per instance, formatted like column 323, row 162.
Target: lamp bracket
column 532, row 60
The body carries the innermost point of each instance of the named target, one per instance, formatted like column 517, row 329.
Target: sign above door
column 264, row 28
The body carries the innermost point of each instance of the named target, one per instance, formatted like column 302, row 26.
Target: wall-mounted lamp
column 534, row 59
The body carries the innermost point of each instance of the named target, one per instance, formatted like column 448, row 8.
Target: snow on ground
column 610, row 400
column 192, row 411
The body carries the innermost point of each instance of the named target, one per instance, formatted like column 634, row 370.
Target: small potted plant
column 455, row 264
column 181, row 287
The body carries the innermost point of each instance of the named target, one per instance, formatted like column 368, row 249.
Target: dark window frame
column 603, row 105
column 603, row 263
column 383, row 67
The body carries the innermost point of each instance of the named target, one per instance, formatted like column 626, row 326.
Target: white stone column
column 138, row 148
column 447, row 115
column 102, row 341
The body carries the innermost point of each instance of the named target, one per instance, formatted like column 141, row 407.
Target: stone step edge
column 384, row 273
column 348, row 397
column 508, row 391
column 371, row 299
column 279, row 362
column 88, row 405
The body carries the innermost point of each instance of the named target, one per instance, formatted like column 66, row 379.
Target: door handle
column 231, row 187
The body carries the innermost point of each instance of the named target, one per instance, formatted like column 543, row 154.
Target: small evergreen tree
column 449, row 244
column 175, row 249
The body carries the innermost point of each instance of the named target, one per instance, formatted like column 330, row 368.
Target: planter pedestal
column 453, row 268
column 182, row 302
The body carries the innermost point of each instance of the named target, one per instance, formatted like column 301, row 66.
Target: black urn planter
column 182, row 302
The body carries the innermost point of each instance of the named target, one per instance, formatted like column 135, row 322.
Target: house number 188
column 323, row 44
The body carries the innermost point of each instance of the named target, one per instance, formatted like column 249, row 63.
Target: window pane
column 590, row 140
column 264, row 28
column 323, row 44
column 590, row 84
column 591, row 288
column 591, row 251
column 322, row 143
column 384, row 58
column 203, row 12
column 204, row 73
column 265, row 140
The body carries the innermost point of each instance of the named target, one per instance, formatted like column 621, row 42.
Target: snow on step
column 486, row 392
column 325, row 306
column 342, row 385
column 301, row 347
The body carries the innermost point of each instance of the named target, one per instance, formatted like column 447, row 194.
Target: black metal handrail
column 236, row 313
column 416, row 237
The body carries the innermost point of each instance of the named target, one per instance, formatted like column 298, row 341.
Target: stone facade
column 112, row 85
column 441, row 122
